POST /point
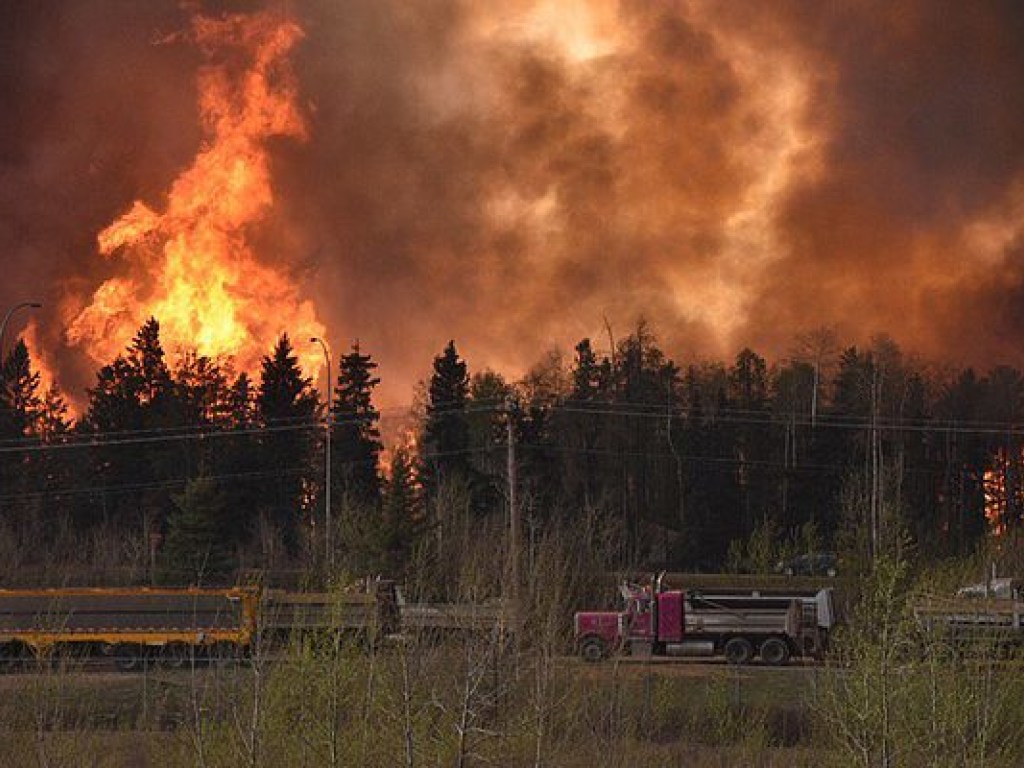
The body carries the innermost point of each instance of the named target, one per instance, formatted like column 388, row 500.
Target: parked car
column 813, row 564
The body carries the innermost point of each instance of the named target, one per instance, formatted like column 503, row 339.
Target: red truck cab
column 601, row 633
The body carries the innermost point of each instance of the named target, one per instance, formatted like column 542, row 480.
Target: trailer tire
column 592, row 649
column 738, row 650
column 176, row 655
column 775, row 651
column 128, row 657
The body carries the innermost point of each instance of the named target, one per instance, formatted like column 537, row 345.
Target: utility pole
column 513, row 508
column 327, row 457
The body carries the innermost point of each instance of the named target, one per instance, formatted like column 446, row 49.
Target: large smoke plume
column 736, row 172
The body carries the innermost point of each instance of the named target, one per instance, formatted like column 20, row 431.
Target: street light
column 3, row 325
column 327, row 452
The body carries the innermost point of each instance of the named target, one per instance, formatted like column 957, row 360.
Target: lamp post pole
column 327, row 453
column 3, row 325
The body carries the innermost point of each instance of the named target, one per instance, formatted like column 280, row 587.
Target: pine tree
column 748, row 394
column 135, row 391
column 19, row 412
column 197, row 547
column 135, row 394
column 402, row 516
column 286, row 406
column 356, row 443
column 53, row 422
column 238, row 459
column 446, row 431
column 19, row 393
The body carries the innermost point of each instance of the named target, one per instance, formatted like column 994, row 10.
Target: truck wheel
column 775, row 651
column 738, row 651
column 592, row 649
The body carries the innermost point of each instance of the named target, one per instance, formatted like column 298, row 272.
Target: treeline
column 189, row 470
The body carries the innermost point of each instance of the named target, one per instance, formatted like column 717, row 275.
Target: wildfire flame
column 1002, row 489
column 191, row 265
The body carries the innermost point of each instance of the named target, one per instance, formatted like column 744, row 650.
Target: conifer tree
column 197, row 547
column 446, row 431
column 356, row 443
column 402, row 516
column 134, row 394
column 19, row 412
column 286, row 407
column 19, row 392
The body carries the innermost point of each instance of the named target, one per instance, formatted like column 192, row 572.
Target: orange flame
column 41, row 361
column 191, row 266
column 406, row 439
column 1002, row 489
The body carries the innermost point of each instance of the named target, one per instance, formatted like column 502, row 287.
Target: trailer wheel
column 128, row 658
column 775, row 651
column 738, row 650
column 592, row 649
column 175, row 655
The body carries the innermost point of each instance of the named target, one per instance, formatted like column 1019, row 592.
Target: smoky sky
column 519, row 175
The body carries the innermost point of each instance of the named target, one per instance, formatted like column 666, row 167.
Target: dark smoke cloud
column 468, row 176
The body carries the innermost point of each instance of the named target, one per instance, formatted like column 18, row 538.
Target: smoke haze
column 511, row 174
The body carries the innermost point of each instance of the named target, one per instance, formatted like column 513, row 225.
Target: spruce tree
column 134, row 394
column 356, row 443
column 238, row 459
column 197, row 548
column 19, row 412
column 402, row 517
column 445, row 456
column 286, row 406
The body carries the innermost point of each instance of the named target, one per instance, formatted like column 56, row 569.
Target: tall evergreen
column 580, row 429
column 356, row 443
column 134, row 400
column 19, row 412
column 238, row 459
column 402, row 518
column 445, row 455
column 19, row 393
column 197, row 547
column 750, row 435
column 286, row 406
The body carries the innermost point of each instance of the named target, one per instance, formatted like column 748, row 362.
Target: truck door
column 670, row 617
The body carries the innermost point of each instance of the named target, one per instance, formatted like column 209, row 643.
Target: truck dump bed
column 369, row 613
column 726, row 614
column 46, row 617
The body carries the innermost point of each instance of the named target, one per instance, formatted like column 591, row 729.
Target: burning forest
column 500, row 302
column 226, row 207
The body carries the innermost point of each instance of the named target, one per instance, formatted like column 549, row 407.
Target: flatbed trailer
column 129, row 623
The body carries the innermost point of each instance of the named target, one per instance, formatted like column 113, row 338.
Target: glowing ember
column 191, row 265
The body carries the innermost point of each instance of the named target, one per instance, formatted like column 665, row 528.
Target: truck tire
column 738, row 650
column 592, row 649
column 775, row 651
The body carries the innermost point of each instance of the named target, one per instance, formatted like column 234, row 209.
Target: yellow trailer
column 132, row 624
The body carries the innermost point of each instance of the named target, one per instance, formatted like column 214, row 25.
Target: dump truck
column 737, row 623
